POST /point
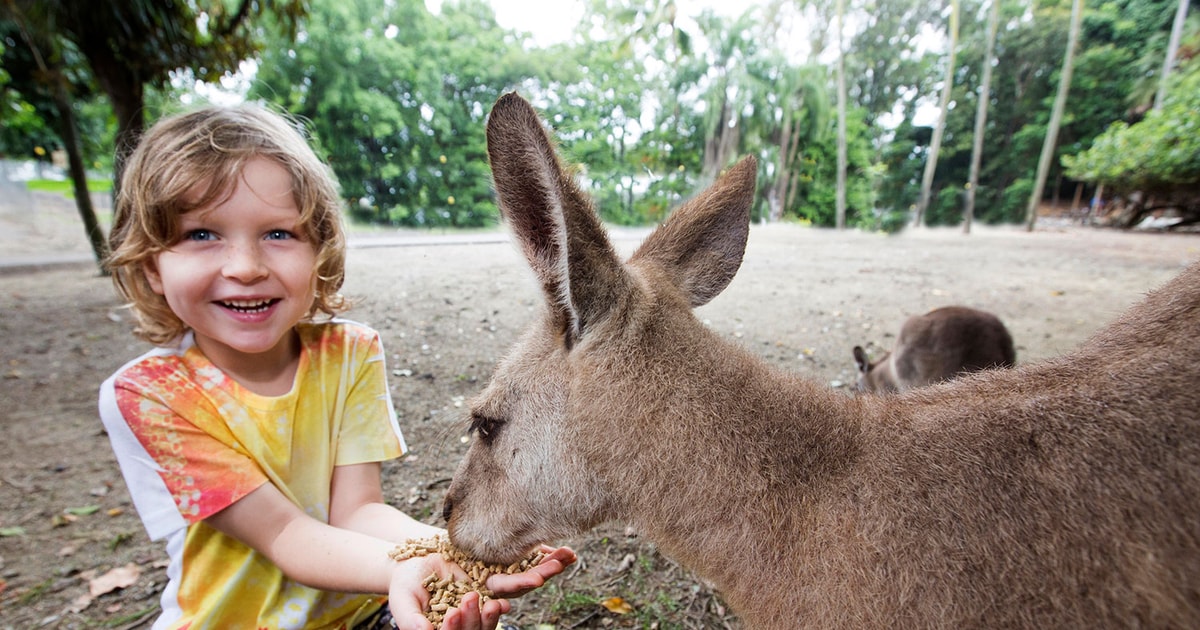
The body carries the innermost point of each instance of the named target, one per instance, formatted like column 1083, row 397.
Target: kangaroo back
column 937, row 346
column 1061, row 494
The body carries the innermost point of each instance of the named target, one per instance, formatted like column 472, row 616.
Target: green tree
column 1172, row 49
column 981, row 113
column 123, row 47
column 939, row 127
column 1158, row 158
column 1060, row 103
column 840, row 200
column 396, row 99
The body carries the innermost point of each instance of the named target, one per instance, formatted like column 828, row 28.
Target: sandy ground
column 447, row 310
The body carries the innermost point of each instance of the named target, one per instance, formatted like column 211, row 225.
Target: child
column 251, row 437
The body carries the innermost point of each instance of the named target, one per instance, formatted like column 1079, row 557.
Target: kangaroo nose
column 447, row 508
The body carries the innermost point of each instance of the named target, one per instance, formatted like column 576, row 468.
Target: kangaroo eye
column 487, row 427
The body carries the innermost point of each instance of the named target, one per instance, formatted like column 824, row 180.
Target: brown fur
column 935, row 347
column 1064, row 494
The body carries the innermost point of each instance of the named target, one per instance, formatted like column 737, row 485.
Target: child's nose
column 245, row 263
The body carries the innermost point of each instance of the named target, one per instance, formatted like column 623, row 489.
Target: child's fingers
column 565, row 555
column 471, row 614
column 518, row 584
column 410, row 620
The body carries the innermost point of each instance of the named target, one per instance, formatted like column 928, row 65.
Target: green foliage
column 396, row 101
column 1159, row 153
column 648, row 103
column 817, row 176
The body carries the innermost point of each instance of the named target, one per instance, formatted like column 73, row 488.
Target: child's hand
column 517, row 584
column 407, row 598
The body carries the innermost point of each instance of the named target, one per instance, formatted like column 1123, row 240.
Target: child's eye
column 198, row 235
column 279, row 235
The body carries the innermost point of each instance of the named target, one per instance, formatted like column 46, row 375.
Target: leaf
column 6, row 532
column 617, row 605
column 119, row 577
column 80, row 603
column 83, row 511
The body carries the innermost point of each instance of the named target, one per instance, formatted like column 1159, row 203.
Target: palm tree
column 981, row 112
column 936, row 143
column 1172, row 46
column 1060, row 104
column 840, row 217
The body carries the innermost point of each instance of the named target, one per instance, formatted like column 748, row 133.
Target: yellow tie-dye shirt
column 191, row 441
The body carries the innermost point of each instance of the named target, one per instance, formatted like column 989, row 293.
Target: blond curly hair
column 205, row 151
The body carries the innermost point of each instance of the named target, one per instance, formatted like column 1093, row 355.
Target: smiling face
column 242, row 273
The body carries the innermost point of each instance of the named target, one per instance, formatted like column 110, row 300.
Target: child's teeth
column 248, row 305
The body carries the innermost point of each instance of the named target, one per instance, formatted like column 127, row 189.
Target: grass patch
column 65, row 187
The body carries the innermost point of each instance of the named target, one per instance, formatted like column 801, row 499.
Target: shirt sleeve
column 204, row 471
column 369, row 429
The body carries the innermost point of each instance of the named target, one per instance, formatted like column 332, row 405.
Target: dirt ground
column 447, row 309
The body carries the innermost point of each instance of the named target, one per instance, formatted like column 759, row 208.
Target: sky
column 551, row 21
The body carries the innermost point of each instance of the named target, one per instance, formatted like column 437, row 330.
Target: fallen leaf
column 80, row 603
column 115, row 511
column 83, row 511
column 1057, row 293
column 119, row 577
column 617, row 605
column 5, row 532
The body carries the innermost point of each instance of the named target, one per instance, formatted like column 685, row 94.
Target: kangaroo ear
column 702, row 243
column 554, row 223
column 860, row 358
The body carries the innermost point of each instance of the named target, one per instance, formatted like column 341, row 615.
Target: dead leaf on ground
column 80, row 603
column 120, row 577
column 617, row 605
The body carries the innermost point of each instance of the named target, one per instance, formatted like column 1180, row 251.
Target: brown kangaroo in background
column 935, row 347
column 1061, row 494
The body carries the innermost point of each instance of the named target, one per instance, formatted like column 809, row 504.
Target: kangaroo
column 1059, row 494
column 935, row 347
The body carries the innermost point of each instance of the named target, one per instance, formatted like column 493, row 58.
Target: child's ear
column 150, row 268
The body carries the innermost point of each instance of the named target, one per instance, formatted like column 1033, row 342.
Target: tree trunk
column 83, row 200
column 981, row 112
column 1172, row 46
column 717, row 146
column 939, row 129
column 1060, row 104
column 59, row 92
column 126, row 92
column 783, row 174
column 840, row 206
